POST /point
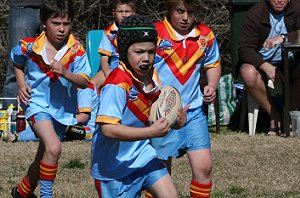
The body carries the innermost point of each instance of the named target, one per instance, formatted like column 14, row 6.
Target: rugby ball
column 167, row 105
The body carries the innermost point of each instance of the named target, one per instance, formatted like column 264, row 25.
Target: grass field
column 244, row 166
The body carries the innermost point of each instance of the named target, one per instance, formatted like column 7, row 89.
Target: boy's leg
column 44, row 128
column 163, row 188
column 201, row 164
column 168, row 164
column 199, row 154
column 29, row 182
column 158, row 182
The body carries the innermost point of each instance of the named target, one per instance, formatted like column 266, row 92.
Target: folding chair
column 93, row 40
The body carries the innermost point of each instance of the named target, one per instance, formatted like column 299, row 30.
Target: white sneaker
column 7, row 136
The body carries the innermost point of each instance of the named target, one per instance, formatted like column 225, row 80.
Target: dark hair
column 134, row 29
column 131, row 3
column 196, row 4
column 56, row 8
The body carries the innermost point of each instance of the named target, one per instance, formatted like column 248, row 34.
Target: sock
column 25, row 188
column 198, row 190
column 47, row 176
column 148, row 195
column 98, row 187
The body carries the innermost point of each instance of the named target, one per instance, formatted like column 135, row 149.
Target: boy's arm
column 98, row 79
column 58, row 68
column 83, row 118
column 23, row 89
column 213, row 75
column 104, row 65
column 126, row 133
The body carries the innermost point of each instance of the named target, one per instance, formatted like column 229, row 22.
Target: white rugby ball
column 167, row 105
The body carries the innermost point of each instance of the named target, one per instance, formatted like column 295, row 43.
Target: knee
column 204, row 168
column 54, row 149
column 249, row 74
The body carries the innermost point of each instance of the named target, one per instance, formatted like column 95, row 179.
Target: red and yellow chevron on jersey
column 34, row 46
column 173, row 48
column 138, row 102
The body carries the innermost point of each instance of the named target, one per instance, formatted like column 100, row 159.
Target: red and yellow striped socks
column 47, row 176
column 47, row 171
column 25, row 188
column 198, row 190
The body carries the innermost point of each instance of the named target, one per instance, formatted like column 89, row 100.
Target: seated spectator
column 267, row 25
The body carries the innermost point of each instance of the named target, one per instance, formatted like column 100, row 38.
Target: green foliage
column 236, row 190
column 73, row 164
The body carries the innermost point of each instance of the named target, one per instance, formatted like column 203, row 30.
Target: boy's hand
column 160, row 127
column 58, row 68
column 209, row 94
column 24, row 94
column 181, row 116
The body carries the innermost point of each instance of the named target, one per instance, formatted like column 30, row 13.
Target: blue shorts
column 133, row 185
column 58, row 127
column 193, row 136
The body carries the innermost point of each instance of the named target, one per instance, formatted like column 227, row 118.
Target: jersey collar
column 178, row 37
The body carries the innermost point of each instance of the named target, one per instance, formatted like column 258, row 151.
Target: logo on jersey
column 202, row 42
column 133, row 92
column 29, row 48
column 165, row 44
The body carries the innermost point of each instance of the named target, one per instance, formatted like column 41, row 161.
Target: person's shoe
column 7, row 136
column 15, row 193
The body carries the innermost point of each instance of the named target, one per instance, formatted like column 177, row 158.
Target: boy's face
column 121, row 11
column 140, row 57
column 58, row 29
column 182, row 18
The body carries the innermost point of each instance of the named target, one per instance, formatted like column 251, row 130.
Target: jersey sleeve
column 112, row 104
column 213, row 57
column 81, row 63
column 18, row 54
column 105, row 46
column 84, row 100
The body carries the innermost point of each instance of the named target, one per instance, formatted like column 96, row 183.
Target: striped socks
column 198, row 190
column 47, row 176
column 25, row 188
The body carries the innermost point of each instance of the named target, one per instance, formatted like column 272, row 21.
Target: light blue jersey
column 108, row 45
column 51, row 93
column 122, row 101
column 178, row 61
column 88, row 102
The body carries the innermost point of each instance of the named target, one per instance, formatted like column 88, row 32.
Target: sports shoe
column 7, row 136
column 15, row 193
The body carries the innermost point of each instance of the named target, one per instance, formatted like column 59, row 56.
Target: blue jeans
column 22, row 22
